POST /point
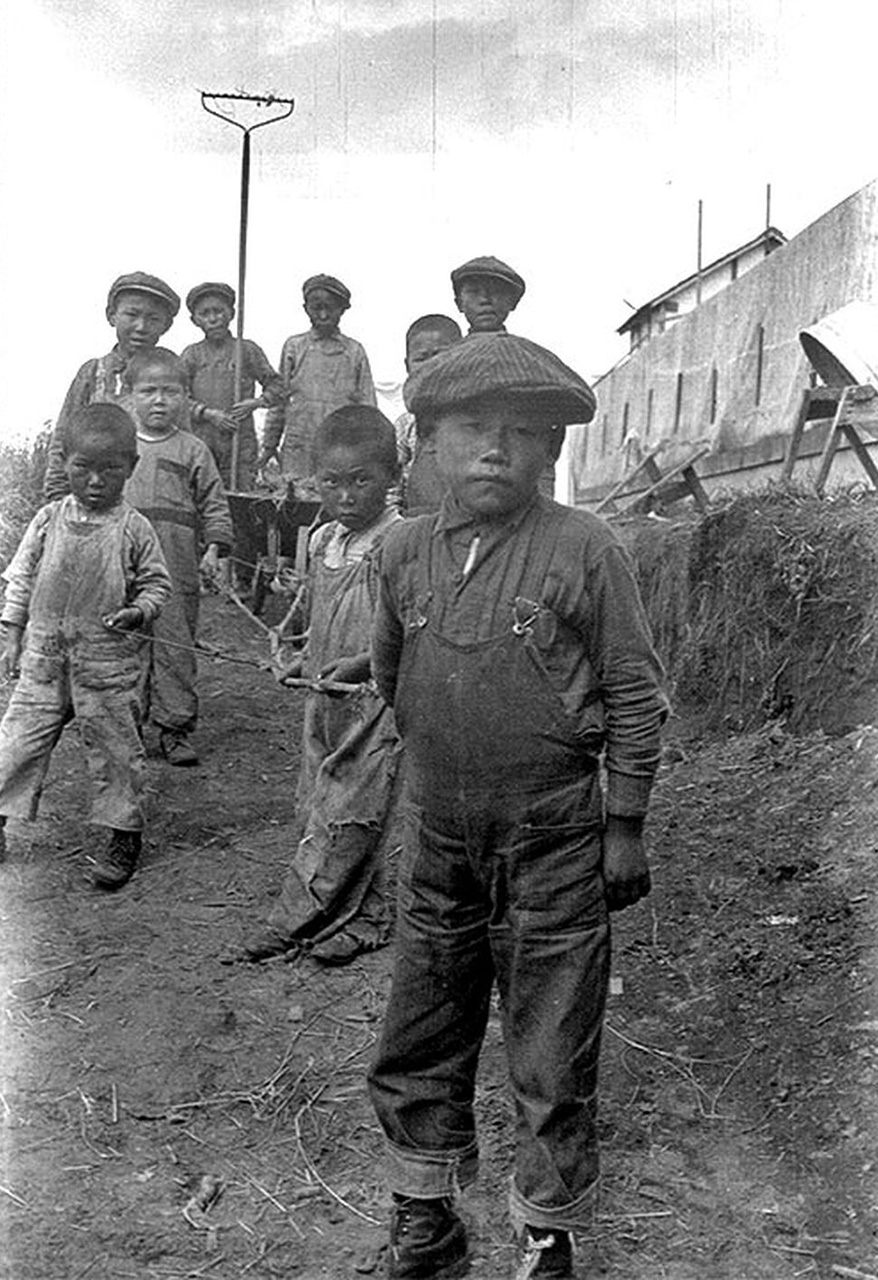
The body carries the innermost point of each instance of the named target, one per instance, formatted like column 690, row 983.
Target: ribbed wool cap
column 141, row 282
column 487, row 364
column 330, row 284
column 216, row 287
column 488, row 266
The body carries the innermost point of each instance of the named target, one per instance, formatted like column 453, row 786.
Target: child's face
column 424, row 345
column 97, row 471
column 158, row 398
column 353, row 485
column 486, row 302
column 212, row 315
column 491, row 454
column 139, row 320
column 324, row 310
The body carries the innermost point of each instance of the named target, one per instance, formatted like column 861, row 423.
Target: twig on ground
column 12, row 1196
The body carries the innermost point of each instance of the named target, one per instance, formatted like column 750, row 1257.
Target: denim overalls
column 500, row 880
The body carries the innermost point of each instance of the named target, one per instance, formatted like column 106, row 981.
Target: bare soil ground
column 740, row 1074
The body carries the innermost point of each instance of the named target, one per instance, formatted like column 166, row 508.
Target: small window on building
column 649, row 405
column 760, row 360
column 624, row 435
column 733, row 268
column 604, row 435
column 714, row 386
column 678, row 403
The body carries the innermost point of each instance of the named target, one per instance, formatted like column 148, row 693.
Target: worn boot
column 427, row 1240
column 542, row 1252
column 176, row 748
column 115, row 865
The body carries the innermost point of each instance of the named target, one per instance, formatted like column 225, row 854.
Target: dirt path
column 741, row 1055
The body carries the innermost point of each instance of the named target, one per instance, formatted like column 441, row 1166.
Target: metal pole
column 698, row 278
column 242, row 273
column 266, row 101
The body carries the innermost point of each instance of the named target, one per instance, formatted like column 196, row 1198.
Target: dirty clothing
column 71, row 569
column 350, row 754
column 177, row 487
column 211, row 370
column 98, row 381
column 320, row 374
column 514, row 652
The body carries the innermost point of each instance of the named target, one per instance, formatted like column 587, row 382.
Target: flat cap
column 488, row 266
column 330, row 284
column 487, row 364
column 141, row 282
column 224, row 291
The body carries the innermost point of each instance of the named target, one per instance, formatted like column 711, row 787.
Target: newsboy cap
column 141, row 282
column 486, row 364
column 224, row 291
column 488, row 266
column 330, row 284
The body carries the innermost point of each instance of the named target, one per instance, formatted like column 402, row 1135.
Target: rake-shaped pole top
column 261, row 99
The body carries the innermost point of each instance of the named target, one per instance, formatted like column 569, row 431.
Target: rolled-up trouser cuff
column 430, row 1175
column 576, row 1215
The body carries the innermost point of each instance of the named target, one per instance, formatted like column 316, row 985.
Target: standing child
column 330, row 903
column 486, row 290
column 322, row 370
column 140, row 308
column 88, row 571
column 210, row 365
column 177, row 486
column 512, row 643
column 421, row 485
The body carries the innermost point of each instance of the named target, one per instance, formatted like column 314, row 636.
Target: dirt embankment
column 740, row 1060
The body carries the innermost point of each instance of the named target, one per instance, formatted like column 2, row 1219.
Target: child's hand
column 12, row 654
column 217, row 418
column 127, row 619
column 626, row 871
column 353, row 670
column 245, row 407
column 291, row 671
column 209, row 566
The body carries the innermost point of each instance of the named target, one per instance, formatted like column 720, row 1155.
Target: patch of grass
column 22, row 467
column 765, row 607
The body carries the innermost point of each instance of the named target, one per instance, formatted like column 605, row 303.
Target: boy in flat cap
column 322, row 370
column 210, row 364
column 141, row 308
column 486, row 290
column 512, row 644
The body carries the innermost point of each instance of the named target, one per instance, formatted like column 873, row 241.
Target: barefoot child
column 178, row 488
column 511, row 641
column 330, row 903
column 322, row 370
column 140, row 308
column 88, row 571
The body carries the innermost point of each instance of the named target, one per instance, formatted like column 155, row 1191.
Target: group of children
column 494, row 646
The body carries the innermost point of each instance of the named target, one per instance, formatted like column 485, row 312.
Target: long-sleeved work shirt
column 320, row 374
column 176, row 485
column 210, row 368
column 96, row 563
column 561, row 574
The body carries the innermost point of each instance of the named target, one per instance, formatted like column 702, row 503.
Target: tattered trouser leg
column 102, row 694
column 350, row 758
column 170, row 698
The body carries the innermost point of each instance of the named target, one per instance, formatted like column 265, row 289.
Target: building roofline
column 769, row 235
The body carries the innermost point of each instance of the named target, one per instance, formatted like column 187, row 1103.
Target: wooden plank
column 861, row 451
column 646, row 464
column 795, row 440
column 644, row 500
column 832, row 442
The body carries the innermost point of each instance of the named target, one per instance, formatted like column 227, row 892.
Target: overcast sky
column 572, row 138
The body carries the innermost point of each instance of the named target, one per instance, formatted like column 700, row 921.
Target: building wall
column 731, row 373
